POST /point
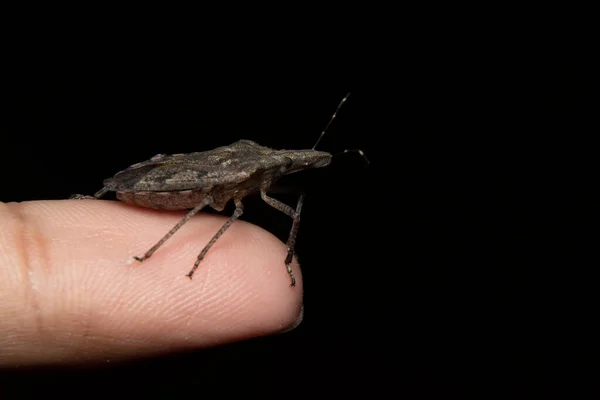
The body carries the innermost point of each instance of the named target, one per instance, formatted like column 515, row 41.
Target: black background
column 453, row 263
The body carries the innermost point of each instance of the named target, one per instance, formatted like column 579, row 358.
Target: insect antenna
column 362, row 154
column 331, row 119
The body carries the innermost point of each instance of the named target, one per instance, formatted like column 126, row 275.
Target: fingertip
column 88, row 289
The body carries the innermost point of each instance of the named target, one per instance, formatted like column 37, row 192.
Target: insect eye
column 288, row 163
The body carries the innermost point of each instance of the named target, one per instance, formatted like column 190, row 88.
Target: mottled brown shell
column 224, row 165
column 181, row 181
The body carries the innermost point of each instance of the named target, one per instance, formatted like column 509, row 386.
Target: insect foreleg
column 295, row 215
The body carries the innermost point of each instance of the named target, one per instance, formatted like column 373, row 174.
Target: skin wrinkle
column 32, row 295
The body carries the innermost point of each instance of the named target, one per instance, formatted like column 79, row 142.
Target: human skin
column 71, row 292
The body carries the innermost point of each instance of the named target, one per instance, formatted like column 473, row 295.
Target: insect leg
column 239, row 210
column 291, row 243
column 278, row 205
column 295, row 215
column 206, row 201
column 96, row 196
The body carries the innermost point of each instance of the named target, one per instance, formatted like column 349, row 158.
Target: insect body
column 212, row 178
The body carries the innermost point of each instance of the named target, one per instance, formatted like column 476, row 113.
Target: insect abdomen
column 177, row 200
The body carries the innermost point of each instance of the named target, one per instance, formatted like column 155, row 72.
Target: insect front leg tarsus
column 239, row 210
column 206, row 201
column 295, row 215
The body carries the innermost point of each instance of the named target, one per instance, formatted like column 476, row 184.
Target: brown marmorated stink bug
column 212, row 178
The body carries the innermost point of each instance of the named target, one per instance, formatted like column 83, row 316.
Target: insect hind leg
column 96, row 196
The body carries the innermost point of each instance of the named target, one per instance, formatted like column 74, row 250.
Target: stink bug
column 213, row 178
